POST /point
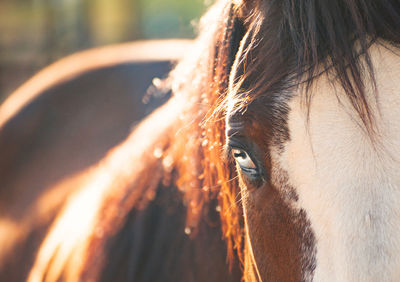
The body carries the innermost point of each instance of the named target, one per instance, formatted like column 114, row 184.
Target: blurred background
column 35, row 33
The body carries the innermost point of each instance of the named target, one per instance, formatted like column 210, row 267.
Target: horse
column 275, row 159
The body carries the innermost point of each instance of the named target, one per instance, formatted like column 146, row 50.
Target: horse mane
column 181, row 144
column 183, row 152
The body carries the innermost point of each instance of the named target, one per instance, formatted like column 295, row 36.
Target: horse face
column 321, row 198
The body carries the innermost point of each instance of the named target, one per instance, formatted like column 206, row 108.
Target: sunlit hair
column 287, row 44
column 184, row 152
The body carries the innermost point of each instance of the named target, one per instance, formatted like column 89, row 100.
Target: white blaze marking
column 350, row 189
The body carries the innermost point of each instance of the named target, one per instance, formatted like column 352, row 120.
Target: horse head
column 312, row 128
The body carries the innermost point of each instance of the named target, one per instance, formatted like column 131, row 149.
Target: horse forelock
column 291, row 43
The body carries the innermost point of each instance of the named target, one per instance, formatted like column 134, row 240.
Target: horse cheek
column 272, row 232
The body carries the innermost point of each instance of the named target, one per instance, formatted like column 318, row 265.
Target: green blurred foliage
column 176, row 19
column 34, row 33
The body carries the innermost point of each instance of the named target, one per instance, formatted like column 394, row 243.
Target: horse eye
column 243, row 160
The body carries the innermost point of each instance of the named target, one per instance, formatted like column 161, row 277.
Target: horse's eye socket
column 244, row 160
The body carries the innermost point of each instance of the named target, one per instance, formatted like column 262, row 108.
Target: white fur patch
column 350, row 188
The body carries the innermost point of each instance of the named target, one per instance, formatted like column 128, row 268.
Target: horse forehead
column 333, row 131
column 347, row 183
